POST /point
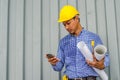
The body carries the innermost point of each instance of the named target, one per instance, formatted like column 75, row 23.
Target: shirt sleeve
column 58, row 66
column 60, row 55
column 107, row 60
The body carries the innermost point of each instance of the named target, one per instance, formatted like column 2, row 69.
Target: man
column 76, row 66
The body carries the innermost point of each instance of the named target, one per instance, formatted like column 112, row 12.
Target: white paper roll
column 100, row 51
column 99, row 54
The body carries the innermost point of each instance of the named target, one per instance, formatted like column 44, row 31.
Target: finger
column 89, row 62
column 54, row 59
column 92, row 64
column 51, row 59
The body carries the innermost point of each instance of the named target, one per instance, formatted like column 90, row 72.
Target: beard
column 72, row 34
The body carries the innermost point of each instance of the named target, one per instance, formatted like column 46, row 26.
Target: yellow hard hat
column 67, row 13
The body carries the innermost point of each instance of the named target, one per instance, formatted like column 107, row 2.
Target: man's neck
column 78, row 30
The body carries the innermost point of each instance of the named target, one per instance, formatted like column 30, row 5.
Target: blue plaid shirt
column 71, row 57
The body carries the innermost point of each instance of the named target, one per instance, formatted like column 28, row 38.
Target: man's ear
column 77, row 17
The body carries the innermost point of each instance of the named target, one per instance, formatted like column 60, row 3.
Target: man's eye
column 68, row 23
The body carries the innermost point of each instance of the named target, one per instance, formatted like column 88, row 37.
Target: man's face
column 71, row 25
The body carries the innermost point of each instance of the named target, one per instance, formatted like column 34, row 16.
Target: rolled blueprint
column 99, row 52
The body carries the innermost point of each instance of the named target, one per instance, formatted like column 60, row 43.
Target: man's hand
column 95, row 63
column 53, row 60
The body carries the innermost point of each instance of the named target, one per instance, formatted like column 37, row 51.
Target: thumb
column 94, row 58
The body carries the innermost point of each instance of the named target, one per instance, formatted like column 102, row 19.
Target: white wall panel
column 54, row 32
column 91, row 15
column 112, row 39
column 82, row 9
column 72, row 2
column 3, row 38
column 36, row 39
column 101, row 24
column 117, row 2
column 29, row 40
column 16, row 40
column 46, row 68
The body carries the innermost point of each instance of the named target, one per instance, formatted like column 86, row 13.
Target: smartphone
column 50, row 55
